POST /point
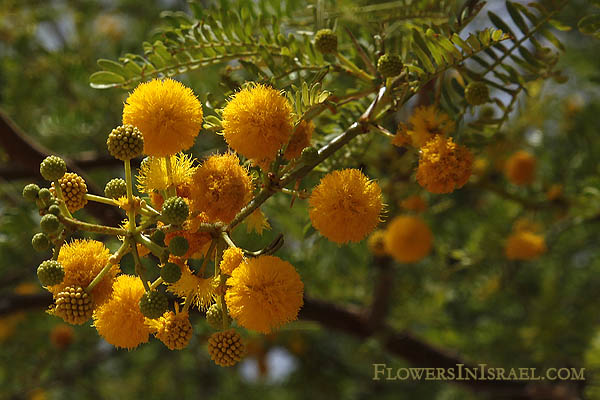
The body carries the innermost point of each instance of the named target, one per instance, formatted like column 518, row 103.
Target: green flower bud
column 30, row 192
column 53, row 168
column 125, row 142
column 178, row 246
column 389, row 65
column 54, row 210
column 40, row 242
column 170, row 272
column 158, row 237
column 175, row 210
column 49, row 223
column 45, row 195
column 477, row 93
column 153, row 304
column 326, row 41
column 115, row 188
column 50, row 272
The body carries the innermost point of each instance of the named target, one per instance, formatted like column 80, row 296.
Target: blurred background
column 465, row 299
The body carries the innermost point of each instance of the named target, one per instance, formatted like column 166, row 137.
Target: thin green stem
column 129, row 184
column 61, row 200
column 227, row 239
column 359, row 73
column 113, row 260
column 101, row 199
column 88, row 227
column 156, row 283
column 157, row 250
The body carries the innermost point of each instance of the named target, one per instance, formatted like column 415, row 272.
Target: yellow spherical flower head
column 408, row 239
column 167, row 113
column 524, row 245
column 520, row 168
column 346, row 206
column 82, row 260
column 264, row 293
column 119, row 321
column 257, row 122
column 174, row 329
column 221, row 187
column 444, row 165
column 426, row 122
column 153, row 176
column 232, row 258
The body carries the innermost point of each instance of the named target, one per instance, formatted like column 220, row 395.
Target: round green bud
column 50, row 272
column 49, row 223
column 153, row 304
column 53, row 168
column 170, row 272
column 326, row 41
column 54, row 209
column 30, row 192
column 214, row 316
column 125, row 142
column 178, row 246
column 40, row 242
column 115, row 188
column 310, row 155
column 45, row 195
column 477, row 93
column 389, row 65
column 158, row 237
column 175, row 211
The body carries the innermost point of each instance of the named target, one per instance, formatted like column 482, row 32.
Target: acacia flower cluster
column 188, row 209
column 443, row 164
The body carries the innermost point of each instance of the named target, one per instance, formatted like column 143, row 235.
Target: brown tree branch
column 24, row 151
column 421, row 354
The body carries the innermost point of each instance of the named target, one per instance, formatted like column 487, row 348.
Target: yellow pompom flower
column 232, row 258
column 264, row 293
column 119, row 321
column 257, row 122
column 174, row 329
column 444, row 165
column 520, row 168
column 152, row 174
column 299, row 140
column 524, row 245
column 345, row 206
column 426, row 123
column 201, row 290
column 82, row 260
column 167, row 113
column 220, row 187
column 408, row 239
